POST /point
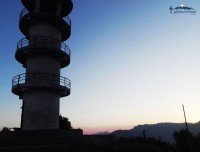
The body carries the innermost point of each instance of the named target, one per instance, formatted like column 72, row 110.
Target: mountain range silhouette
column 163, row 131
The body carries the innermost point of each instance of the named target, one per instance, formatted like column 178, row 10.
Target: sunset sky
column 132, row 62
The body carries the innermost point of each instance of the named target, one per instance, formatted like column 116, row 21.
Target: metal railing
column 50, row 79
column 43, row 42
column 25, row 12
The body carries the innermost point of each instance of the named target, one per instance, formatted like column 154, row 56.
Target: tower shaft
column 45, row 25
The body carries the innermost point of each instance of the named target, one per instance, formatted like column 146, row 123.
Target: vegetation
column 5, row 129
column 64, row 123
column 140, row 144
column 186, row 141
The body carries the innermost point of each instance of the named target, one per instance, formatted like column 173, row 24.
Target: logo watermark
column 182, row 9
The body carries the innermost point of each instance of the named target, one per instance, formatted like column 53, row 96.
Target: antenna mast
column 185, row 118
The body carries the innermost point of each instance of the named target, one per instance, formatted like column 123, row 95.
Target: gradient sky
column 132, row 63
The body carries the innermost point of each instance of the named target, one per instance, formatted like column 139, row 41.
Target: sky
column 132, row 62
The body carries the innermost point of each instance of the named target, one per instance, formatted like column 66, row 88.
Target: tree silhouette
column 5, row 129
column 183, row 139
column 64, row 123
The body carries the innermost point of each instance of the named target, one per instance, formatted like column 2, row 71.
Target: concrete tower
column 43, row 54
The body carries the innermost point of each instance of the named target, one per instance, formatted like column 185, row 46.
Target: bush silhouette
column 64, row 123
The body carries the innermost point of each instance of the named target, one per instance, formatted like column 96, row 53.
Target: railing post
column 21, row 43
column 28, row 42
column 64, row 82
column 58, row 12
column 18, row 80
column 37, row 6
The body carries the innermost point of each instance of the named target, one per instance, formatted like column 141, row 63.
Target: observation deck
column 28, row 19
column 40, row 81
column 49, row 5
column 42, row 45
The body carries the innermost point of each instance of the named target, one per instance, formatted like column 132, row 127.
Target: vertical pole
column 187, row 131
column 185, row 118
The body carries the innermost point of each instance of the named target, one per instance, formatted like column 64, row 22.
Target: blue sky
column 132, row 63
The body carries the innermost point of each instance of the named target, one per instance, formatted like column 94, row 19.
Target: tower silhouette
column 43, row 54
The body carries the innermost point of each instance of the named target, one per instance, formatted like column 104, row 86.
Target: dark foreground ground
column 73, row 140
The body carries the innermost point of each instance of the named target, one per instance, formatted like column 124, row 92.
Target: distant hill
column 102, row 133
column 163, row 131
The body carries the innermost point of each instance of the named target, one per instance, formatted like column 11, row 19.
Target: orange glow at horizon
column 93, row 130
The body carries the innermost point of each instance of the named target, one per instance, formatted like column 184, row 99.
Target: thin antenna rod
column 188, row 137
column 185, row 119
